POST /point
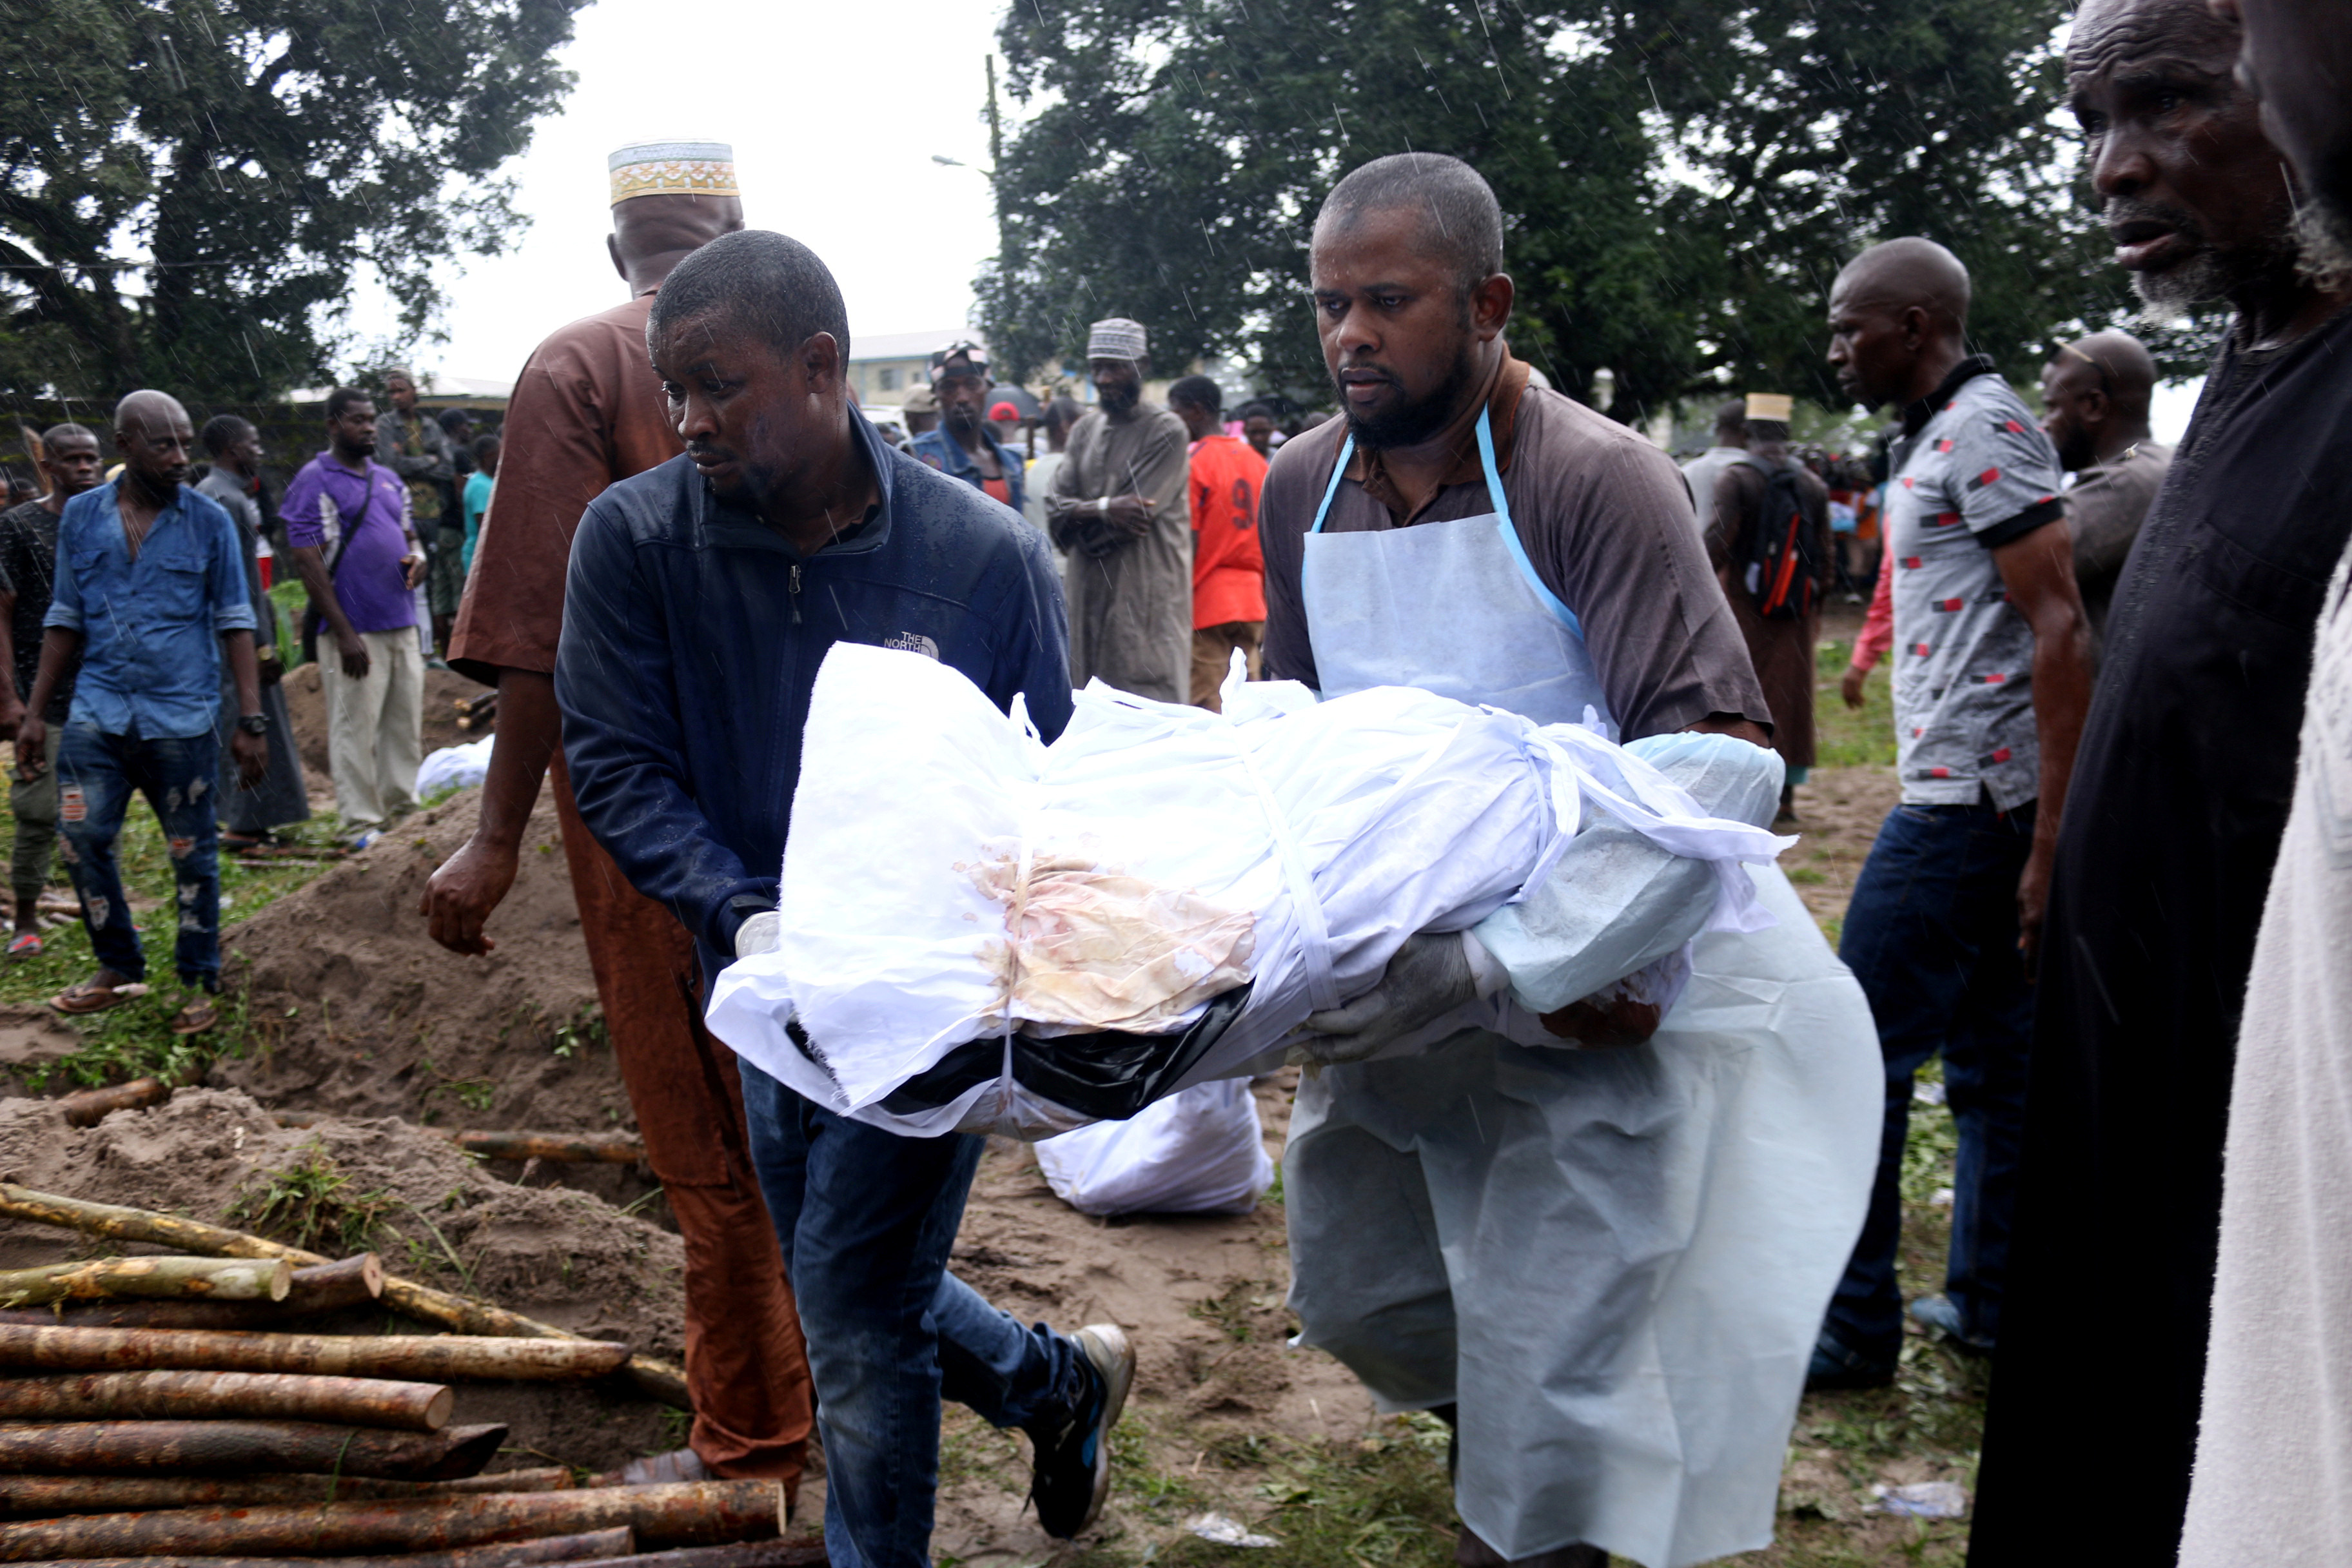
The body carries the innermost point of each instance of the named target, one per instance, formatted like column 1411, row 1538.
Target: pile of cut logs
column 150, row 1415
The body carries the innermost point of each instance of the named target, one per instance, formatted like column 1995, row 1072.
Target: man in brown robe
column 1780, row 647
column 588, row 413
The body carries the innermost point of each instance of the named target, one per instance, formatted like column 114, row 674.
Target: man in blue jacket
column 962, row 446
column 702, row 597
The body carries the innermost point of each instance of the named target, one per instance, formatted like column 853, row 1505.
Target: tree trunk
column 215, row 1395
column 411, row 1357
column 171, row 1279
column 238, row 1448
column 28, row 1497
column 599, row 1148
column 692, row 1513
column 89, row 1107
column 330, row 1286
column 596, row 1545
column 657, row 1378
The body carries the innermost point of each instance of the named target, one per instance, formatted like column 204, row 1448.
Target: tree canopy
column 1680, row 179
column 188, row 187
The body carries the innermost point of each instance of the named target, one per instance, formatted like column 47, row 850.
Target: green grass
column 134, row 1039
column 1843, row 738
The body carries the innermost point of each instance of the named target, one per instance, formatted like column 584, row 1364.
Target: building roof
column 907, row 345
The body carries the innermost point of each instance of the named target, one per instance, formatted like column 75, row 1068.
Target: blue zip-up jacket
column 692, row 633
column 943, row 452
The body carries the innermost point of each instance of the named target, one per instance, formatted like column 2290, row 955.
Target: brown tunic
column 1605, row 518
column 1782, row 650
column 1130, row 610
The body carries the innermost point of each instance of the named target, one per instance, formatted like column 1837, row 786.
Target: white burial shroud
column 949, row 875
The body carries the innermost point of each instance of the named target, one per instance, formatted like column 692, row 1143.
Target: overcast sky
column 834, row 114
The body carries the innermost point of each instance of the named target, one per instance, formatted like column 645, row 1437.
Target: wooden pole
column 240, row 1448
column 799, row 1552
column 693, row 1513
column 172, row 1279
column 411, row 1357
column 89, row 1107
column 581, row 1148
column 596, row 1545
column 26, row 1497
column 254, row 1396
column 660, row 1379
column 330, row 1286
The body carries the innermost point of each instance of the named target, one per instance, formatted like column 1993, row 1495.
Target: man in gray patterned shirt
column 1991, row 679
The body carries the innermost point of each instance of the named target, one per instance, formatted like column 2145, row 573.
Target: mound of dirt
column 563, row 1257
column 306, row 705
column 352, row 1008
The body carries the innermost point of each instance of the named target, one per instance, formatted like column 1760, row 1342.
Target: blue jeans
column 179, row 775
column 866, row 1219
column 1931, row 933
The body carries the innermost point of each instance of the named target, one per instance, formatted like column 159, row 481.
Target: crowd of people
column 2104, row 673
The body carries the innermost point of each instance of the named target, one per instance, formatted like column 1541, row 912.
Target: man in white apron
column 1605, row 1266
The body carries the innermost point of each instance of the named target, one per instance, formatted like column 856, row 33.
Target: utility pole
column 995, row 121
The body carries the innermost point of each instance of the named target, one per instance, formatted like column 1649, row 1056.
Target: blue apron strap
column 1510, row 535
column 1338, row 472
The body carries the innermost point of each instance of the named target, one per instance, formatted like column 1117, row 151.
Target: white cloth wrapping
column 1342, row 828
column 1199, row 1150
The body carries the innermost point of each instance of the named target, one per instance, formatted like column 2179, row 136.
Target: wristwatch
column 253, row 723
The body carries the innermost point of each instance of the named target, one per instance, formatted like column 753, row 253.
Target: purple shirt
column 370, row 584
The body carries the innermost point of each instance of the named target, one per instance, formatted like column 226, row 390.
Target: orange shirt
column 1228, row 572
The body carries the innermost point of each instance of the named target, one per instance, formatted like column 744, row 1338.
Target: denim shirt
column 692, row 633
column 151, row 628
column 945, row 453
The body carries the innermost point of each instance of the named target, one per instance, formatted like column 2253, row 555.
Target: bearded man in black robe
column 2180, row 793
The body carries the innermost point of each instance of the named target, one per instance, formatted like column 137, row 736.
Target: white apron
column 1615, row 1263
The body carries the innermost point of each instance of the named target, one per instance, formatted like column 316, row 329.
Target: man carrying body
column 961, row 446
column 2269, row 1487
column 417, row 447
column 28, row 562
column 1991, row 676
column 2182, row 794
column 2095, row 411
column 1118, row 507
column 347, row 533
column 1228, row 572
column 1781, row 646
column 250, row 814
column 701, row 599
column 150, row 595
column 587, row 414
column 1459, row 1219
column 1730, row 446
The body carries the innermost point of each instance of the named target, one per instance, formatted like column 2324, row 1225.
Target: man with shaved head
column 150, row 594
column 2095, row 410
column 1505, row 1230
column 587, row 414
column 2181, row 796
column 2270, row 1483
column 1992, row 678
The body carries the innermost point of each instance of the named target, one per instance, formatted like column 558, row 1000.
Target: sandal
column 83, row 998
column 196, row 1017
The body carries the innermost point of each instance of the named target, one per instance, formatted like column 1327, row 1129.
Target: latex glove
column 1430, row 976
column 763, row 932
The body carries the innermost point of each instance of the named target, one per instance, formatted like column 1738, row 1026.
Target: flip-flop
column 25, row 944
column 83, row 998
column 196, row 1018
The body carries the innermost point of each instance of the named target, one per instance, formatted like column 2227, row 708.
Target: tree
column 1680, row 180
column 259, row 151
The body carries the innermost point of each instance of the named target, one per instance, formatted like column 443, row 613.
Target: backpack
column 1775, row 555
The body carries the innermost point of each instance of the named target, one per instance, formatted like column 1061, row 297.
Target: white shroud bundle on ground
column 948, row 877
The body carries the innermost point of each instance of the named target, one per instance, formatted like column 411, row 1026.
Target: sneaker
column 1073, row 1455
column 1835, row 1366
column 25, row 944
column 1941, row 1319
